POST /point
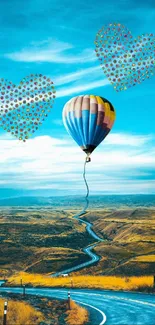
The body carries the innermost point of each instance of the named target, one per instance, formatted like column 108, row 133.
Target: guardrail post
column 5, row 313
column 154, row 281
column 69, row 300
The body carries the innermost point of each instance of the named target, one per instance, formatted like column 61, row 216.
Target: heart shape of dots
column 125, row 61
column 23, row 108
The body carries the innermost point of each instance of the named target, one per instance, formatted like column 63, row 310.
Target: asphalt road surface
column 88, row 250
column 105, row 307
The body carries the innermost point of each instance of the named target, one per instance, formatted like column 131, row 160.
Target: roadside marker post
column 5, row 313
column 69, row 300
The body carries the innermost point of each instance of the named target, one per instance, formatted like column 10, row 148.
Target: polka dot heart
column 125, row 61
column 23, row 108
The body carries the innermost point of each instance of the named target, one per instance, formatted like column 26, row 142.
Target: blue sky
column 56, row 38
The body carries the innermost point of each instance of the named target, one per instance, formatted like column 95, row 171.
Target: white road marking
column 132, row 300
column 120, row 298
column 100, row 295
column 112, row 297
column 100, row 311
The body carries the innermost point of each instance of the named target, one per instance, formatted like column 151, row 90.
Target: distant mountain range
column 100, row 201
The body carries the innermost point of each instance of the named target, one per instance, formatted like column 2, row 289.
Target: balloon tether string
column 87, row 187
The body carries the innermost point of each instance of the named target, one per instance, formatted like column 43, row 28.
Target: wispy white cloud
column 45, row 162
column 75, row 89
column 67, row 78
column 52, row 51
column 127, row 139
column 77, row 82
column 61, row 52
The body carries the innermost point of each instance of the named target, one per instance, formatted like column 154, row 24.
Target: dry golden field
column 40, row 241
column 83, row 281
column 34, row 310
column 45, row 241
column 77, row 315
column 129, row 246
column 20, row 313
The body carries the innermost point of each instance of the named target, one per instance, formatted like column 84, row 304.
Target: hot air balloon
column 88, row 119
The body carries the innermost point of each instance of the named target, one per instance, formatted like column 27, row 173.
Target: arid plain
column 44, row 241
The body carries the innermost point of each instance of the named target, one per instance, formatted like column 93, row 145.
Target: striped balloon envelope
column 88, row 119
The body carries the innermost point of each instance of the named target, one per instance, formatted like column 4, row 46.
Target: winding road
column 88, row 250
column 112, row 308
column 105, row 307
